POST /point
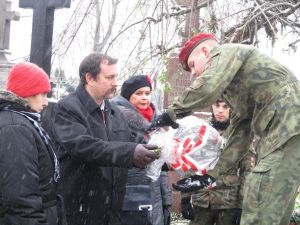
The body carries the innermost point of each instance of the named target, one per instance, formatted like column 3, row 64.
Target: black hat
column 133, row 83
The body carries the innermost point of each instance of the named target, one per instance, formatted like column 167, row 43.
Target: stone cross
column 5, row 17
column 42, row 29
column 192, row 19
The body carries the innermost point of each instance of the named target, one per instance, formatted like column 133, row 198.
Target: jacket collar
column 121, row 101
column 10, row 99
column 88, row 101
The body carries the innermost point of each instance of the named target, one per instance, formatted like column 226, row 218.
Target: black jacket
column 161, row 195
column 27, row 168
column 93, row 190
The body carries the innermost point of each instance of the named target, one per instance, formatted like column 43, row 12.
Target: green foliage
column 163, row 78
column 295, row 218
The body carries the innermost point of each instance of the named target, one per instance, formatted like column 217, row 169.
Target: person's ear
column 205, row 51
column 89, row 79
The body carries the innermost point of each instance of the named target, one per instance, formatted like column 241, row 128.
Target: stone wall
column 178, row 79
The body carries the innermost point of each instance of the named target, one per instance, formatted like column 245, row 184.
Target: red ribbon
column 183, row 162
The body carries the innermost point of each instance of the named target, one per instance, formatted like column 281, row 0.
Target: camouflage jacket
column 228, row 193
column 262, row 93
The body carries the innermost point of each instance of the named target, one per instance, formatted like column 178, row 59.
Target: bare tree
column 142, row 33
column 268, row 15
column 99, row 44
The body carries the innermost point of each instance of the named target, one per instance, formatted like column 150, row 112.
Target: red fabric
column 27, row 79
column 190, row 45
column 147, row 113
column 149, row 80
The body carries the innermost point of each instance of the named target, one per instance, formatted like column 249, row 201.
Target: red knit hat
column 27, row 79
column 190, row 45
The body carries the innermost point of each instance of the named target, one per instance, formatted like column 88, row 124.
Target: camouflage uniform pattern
column 264, row 95
column 218, row 205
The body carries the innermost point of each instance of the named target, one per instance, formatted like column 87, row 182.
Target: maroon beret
column 190, row 45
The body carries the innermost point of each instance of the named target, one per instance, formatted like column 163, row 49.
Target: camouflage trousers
column 271, row 188
column 207, row 216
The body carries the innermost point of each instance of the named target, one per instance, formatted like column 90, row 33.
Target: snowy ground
column 178, row 220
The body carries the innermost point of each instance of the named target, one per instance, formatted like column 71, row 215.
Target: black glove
column 163, row 120
column 186, row 208
column 165, row 167
column 142, row 155
column 194, row 183
column 167, row 215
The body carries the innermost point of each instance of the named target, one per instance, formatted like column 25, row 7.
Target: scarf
column 146, row 113
column 219, row 125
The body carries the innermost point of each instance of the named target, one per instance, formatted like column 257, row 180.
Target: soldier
column 219, row 205
column 264, row 95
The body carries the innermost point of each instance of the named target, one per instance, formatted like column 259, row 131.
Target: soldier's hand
column 163, row 120
column 143, row 155
column 187, row 208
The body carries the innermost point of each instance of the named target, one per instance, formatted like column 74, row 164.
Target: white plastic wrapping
column 194, row 147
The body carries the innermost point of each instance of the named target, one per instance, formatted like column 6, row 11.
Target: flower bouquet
column 194, row 147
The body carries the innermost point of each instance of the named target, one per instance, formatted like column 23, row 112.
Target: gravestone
column 6, row 16
column 176, row 76
column 178, row 79
column 42, row 29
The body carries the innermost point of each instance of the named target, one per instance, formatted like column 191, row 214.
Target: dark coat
column 160, row 192
column 88, row 149
column 27, row 186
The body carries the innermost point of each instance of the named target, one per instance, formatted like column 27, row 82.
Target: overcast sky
column 20, row 40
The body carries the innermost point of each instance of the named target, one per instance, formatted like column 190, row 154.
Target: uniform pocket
column 263, row 123
column 259, row 182
column 231, row 180
column 255, row 187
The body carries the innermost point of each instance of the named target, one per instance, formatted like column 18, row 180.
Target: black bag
column 137, row 205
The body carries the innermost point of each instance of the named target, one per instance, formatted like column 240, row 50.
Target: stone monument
column 178, row 78
column 6, row 16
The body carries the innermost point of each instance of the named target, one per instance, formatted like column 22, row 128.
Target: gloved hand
column 143, row 155
column 194, row 183
column 167, row 215
column 163, row 120
column 186, row 208
column 165, row 167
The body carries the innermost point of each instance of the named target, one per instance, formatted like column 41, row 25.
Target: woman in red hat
column 28, row 164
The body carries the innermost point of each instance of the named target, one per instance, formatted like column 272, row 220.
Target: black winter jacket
column 91, row 153
column 27, row 168
column 161, row 195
